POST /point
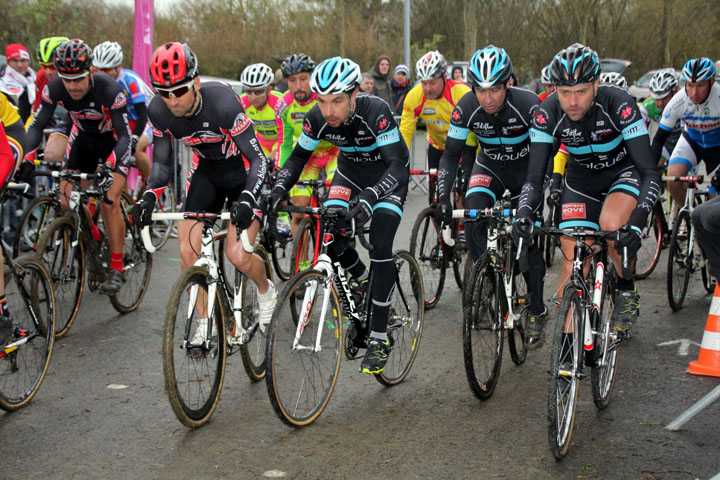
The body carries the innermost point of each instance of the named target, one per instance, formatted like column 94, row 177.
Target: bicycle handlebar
column 65, row 175
column 431, row 171
column 145, row 232
column 329, row 213
column 696, row 179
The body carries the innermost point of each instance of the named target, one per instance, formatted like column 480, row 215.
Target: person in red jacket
column 7, row 165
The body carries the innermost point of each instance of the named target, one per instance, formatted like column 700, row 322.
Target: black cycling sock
column 625, row 285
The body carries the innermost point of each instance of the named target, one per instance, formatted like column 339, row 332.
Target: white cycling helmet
column 431, row 65
column 107, row 55
column 545, row 75
column 613, row 78
column 663, row 83
column 257, row 75
column 335, row 75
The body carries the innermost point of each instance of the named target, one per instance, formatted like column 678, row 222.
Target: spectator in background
column 400, row 87
column 381, row 78
column 18, row 79
column 458, row 74
column 367, row 83
column 280, row 82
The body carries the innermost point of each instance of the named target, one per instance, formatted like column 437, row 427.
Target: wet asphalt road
column 102, row 411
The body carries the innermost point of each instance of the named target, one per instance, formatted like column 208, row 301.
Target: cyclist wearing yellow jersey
column 291, row 111
column 14, row 129
column 260, row 102
column 433, row 101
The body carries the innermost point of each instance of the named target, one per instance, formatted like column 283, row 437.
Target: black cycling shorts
column 87, row 151
column 213, row 183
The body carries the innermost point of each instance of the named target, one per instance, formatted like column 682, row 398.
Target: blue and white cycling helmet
column 698, row 70
column 613, row 78
column 574, row 65
column 489, row 66
column 335, row 75
column 663, row 83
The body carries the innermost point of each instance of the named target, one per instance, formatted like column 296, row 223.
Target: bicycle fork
column 308, row 305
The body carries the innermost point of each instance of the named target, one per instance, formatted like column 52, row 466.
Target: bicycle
column 67, row 248
column 496, row 299
column 583, row 335
column 29, row 293
column 306, row 339
column 194, row 374
column 656, row 235
column 435, row 247
column 685, row 256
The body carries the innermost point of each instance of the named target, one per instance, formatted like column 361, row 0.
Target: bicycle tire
column 679, row 266
column 426, row 247
column 304, row 237
column 605, row 367
column 193, row 376
column 23, row 369
column 68, row 280
column 564, row 384
column 300, row 381
column 41, row 212
column 253, row 353
column 649, row 253
column 516, row 335
column 160, row 230
column 458, row 263
column 405, row 320
column 137, row 265
column 482, row 331
column 281, row 252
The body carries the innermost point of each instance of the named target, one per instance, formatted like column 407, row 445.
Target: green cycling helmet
column 47, row 46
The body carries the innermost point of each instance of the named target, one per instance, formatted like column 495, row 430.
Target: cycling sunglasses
column 49, row 66
column 256, row 92
column 176, row 92
column 74, row 78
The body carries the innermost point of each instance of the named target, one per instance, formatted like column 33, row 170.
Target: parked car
column 235, row 84
column 463, row 65
column 640, row 89
column 614, row 65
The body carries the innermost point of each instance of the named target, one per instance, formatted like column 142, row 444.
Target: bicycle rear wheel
column 426, row 247
column 565, row 365
column 679, row 261
column 193, row 374
column 67, row 275
column 516, row 336
column 303, row 354
column 405, row 320
column 38, row 216
column 649, row 253
column 482, row 331
column 23, row 366
column 137, row 265
column 606, row 342
column 253, row 353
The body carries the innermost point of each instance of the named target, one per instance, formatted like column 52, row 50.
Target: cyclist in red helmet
column 209, row 119
column 100, row 135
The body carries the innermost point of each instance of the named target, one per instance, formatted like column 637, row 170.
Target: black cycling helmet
column 574, row 65
column 297, row 63
column 72, row 57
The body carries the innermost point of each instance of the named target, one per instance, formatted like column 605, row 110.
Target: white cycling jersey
column 701, row 121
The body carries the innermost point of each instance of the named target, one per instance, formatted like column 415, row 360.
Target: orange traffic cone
column 708, row 363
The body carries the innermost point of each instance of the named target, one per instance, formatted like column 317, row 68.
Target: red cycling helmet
column 172, row 64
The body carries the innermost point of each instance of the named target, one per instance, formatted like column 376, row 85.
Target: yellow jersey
column 435, row 113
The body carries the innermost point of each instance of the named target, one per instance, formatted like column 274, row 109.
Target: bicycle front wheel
column 65, row 264
column 137, row 265
column 160, row 230
column 303, row 353
column 282, row 258
column 649, row 253
column 193, row 373
column 303, row 245
column 606, row 342
column 405, row 320
column 679, row 261
column 426, row 247
column 516, row 337
column 482, row 331
column 27, row 356
column 253, row 352
column 565, row 367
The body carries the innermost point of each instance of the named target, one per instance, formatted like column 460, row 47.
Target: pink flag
column 143, row 45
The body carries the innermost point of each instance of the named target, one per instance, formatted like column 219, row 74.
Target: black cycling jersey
column 611, row 130
column 504, row 137
column 102, row 111
column 218, row 130
column 369, row 142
